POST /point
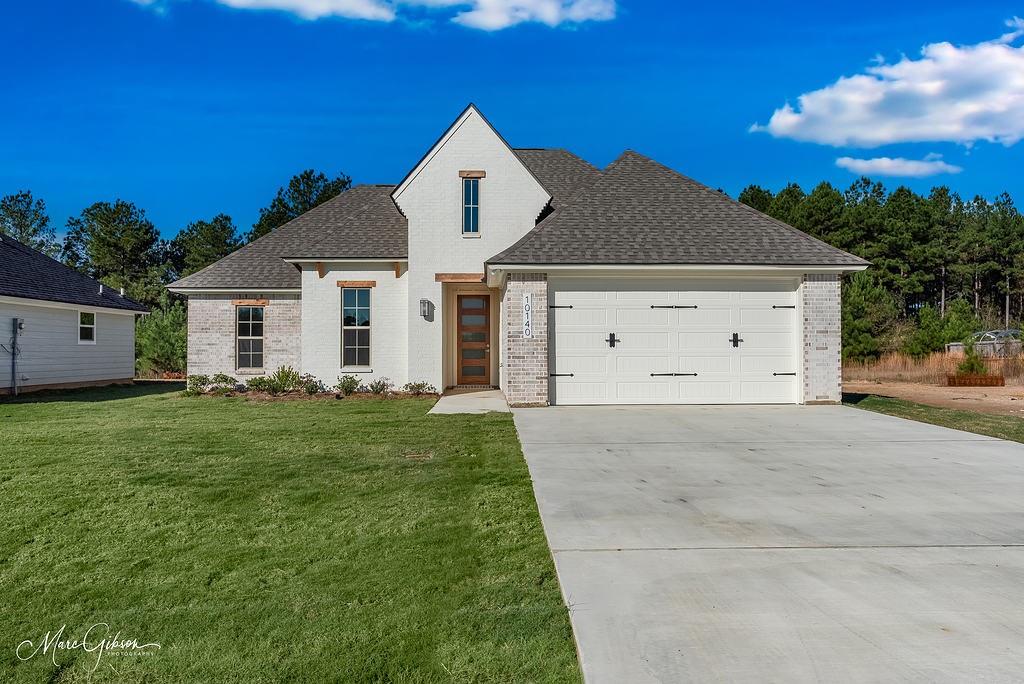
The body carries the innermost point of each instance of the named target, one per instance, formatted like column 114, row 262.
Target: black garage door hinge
column 674, row 375
column 562, row 306
column 787, row 306
column 783, row 373
column 562, row 375
column 673, row 306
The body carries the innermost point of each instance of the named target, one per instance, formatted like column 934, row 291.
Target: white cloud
column 488, row 15
column 932, row 165
column 959, row 94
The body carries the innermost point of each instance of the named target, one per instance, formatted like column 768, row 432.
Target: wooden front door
column 474, row 339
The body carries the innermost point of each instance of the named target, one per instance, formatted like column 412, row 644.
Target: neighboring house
column 58, row 327
column 533, row 271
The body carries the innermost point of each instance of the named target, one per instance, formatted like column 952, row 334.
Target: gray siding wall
column 51, row 354
column 211, row 334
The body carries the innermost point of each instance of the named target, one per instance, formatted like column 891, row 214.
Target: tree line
column 116, row 243
column 942, row 267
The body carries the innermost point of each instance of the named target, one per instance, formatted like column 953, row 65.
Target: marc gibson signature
column 95, row 640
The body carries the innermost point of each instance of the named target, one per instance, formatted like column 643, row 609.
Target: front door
column 474, row 345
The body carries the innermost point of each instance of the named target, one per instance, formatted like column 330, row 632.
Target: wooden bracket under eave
column 398, row 269
column 320, row 270
column 458, row 277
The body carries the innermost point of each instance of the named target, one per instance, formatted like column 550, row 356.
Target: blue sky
column 193, row 107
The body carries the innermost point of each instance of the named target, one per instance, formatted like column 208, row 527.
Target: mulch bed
column 324, row 396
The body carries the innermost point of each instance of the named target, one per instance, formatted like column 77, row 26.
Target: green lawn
column 355, row 540
column 1003, row 427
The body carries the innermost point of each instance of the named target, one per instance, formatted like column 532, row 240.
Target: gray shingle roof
column 641, row 212
column 27, row 273
column 561, row 172
column 361, row 223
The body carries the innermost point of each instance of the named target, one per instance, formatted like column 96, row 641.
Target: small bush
column 223, row 380
column 347, row 384
column 311, row 385
column 972, row 363
column 418, row 388
column 258, row 384
column 285, row 379
column 381, row 385
column 196, row 385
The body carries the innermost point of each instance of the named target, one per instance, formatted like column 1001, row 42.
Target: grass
column 930, row 370
column 311, row 541
column 1003, row 427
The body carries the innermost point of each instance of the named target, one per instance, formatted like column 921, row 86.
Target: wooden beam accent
column 472, row 174
column 458, row 277
column 357, row 283
column 320, row 270
column 398, row 269
column 250, row 302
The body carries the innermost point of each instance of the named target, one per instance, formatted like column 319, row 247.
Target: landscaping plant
column 419, row 388
column 972, row 363
column 347, row 384
column 380, row 386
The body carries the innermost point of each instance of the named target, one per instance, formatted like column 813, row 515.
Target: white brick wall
column 526, row 360
column 510, row 201
column 211, row 333
column 822, row 338
column 321, row 322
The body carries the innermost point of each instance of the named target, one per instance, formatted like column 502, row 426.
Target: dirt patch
column 1005, row 401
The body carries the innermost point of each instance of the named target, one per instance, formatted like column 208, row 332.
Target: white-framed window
column 470, row 206
column 355, row 326
column 86, row 327
column 249, row 336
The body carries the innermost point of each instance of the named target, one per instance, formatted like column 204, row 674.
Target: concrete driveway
column 781, row 544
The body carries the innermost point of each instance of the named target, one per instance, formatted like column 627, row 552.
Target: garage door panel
column 766, row 317
column 657, row 333
column 643, row 365
column 645, row 317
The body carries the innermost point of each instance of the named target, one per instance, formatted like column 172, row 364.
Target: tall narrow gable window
column 470, row 206
column 250, row 336
column 355, row 326
column 86, row 327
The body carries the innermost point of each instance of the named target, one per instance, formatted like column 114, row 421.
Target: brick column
column 822, row 333
column 526, row 360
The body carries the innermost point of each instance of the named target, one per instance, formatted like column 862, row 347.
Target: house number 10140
column 528, row 316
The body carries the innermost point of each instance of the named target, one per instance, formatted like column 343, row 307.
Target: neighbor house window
column 250, row 336
column 470, row 206
column 86, row 327
column 355, row 326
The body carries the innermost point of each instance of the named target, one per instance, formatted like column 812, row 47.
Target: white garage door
column 681, row 341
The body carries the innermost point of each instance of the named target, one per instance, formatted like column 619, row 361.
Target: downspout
column 14, row 356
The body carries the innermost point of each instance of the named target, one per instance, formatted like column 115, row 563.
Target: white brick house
column 532, row 271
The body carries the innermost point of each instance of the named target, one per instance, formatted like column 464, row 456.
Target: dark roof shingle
column 561, row 172
column 641, row 212
column 30, row 274
column 360, row 223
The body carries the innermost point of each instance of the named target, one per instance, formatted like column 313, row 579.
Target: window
column 250, row 336
column 355, row 326
column 470, row 206
column 86, row 327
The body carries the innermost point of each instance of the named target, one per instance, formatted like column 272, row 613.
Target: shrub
column 285, row 379
column 196, row 385
column 972, row 363
column 258, row 384
column 418, row 388
column 311, row 385
column 160, row 340
column 381, row 385
column 223, row 380
column 347, row 384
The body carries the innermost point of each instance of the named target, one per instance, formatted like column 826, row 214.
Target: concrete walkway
column 472, row 401
column 781, row 544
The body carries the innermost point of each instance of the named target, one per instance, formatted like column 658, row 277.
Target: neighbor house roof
column 30, row 274
column 641, row 212
column 360, row 223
